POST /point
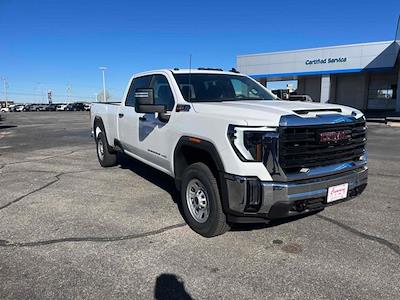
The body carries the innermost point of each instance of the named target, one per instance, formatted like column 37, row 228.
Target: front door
column 153, row 128
column 128, row 118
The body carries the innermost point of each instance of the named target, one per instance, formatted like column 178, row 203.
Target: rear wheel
column 105, row 157
column 201, row 202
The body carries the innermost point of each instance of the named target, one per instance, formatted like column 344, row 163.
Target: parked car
column 282, row 93
column 4, row 109
column 61, row 106
column 87, row 106
column 76, row 106
column 36, row 107
column 42, row 107
column 237, row 154
column 303, row 98
column 51, row 107
column 18, row 108
column 28, row 107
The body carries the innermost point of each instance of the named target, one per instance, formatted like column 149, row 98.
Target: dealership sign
column 329, row 60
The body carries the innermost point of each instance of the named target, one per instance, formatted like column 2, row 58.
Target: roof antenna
column 190, row 75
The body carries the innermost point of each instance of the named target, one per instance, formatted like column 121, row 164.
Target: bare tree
column 100, row 96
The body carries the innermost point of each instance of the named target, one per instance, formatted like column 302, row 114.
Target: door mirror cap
column 145, row 102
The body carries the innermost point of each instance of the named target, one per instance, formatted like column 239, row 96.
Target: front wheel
column 105, row 157
column 201, row 201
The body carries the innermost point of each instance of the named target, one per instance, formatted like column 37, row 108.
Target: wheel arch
column 98, row 126
column 190, row 150
column 98, row 123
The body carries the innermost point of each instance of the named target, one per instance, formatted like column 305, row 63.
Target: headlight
column 253, row 143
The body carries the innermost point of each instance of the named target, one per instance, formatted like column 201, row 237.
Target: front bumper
column 250, row 198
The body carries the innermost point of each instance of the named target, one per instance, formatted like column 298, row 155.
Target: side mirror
column 145, row 102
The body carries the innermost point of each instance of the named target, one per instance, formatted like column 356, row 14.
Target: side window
column 162, row 92
column 137, row 83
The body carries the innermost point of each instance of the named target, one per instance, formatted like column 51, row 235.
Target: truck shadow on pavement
column 268, row 224
column 7, row 126
column 152, row 175
column 167, row 183
column 169, row 286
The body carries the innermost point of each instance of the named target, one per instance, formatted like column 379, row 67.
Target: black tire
column 105, row 157
column 216, row 223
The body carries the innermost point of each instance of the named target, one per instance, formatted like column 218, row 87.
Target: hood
column 268, row 113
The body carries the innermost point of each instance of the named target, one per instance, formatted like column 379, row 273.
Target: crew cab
column 237, row 152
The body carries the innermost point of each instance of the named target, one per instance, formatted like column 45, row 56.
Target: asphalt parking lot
column 70, row 229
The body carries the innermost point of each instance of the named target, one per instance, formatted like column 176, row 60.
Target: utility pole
column 5, row 86
column 103, row 69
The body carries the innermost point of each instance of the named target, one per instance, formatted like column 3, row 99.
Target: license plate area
column 337, row 192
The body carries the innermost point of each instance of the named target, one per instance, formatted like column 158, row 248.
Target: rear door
column 128, row 119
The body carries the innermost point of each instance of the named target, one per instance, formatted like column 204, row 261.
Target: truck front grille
column 320, row 145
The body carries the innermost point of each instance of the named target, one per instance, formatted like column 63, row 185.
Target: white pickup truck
column 237, row 153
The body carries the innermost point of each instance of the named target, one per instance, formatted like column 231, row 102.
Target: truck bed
column 108, row 112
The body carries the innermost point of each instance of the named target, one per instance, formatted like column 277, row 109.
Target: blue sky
column 52, row 44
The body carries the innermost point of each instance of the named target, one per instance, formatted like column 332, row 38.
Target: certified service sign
column 329, row 60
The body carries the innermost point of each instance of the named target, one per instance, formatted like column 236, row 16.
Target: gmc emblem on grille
column 333, row 136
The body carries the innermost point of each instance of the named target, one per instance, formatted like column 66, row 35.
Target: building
column 365, row 76
column 4, row 103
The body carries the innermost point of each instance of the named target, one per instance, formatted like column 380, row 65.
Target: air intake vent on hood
column 307, row 111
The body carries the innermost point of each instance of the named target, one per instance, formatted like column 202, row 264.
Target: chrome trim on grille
column 279, row 173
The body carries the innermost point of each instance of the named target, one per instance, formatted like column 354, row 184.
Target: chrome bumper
column 311, row 189
column 283, row 199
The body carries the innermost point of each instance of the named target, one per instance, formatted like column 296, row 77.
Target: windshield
column 220, row 87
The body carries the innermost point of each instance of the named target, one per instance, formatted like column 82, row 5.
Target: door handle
column 120, row 115
column 143, row 118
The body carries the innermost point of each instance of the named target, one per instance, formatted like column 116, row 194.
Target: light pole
column 40, row 90
column 103, row 69
column 69, row 89
column 5, row 84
